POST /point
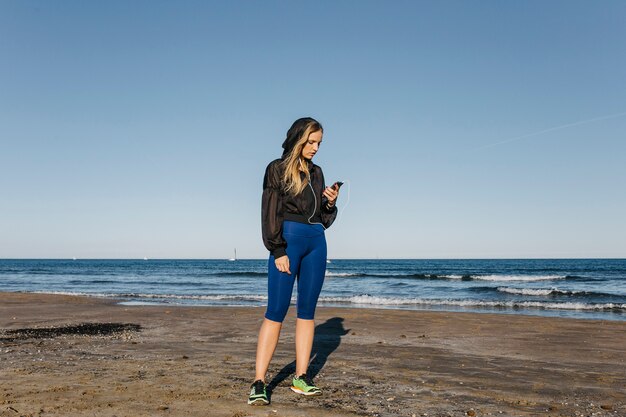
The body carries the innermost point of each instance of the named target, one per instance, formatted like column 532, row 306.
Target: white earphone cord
column 340, row 211
column 315, row 201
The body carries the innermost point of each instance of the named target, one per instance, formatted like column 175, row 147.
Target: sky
column 463, row 129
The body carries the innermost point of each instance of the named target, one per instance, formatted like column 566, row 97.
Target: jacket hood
column 295, row 132
column 289, row 144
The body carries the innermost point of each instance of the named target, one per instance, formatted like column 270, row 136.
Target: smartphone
column 338, row 184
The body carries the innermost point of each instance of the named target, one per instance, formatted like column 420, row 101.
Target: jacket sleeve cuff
column 278, row 252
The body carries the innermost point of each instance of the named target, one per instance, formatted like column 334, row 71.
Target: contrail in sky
column 581, row 122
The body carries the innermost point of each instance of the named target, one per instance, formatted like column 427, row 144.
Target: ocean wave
column 238, row 273
column 498, row 277
column 389, row 301
column 531, row 291
column 343, row 274
column 462, row 277
column 212, row 297
column 554, row 292
column 162, row 282
column 396, row 276
column 28, row 272
column 113, row 276
column 366, row 299
column 94, row 281
column 223, row 274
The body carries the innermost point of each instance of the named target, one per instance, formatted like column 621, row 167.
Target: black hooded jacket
column 278, row 205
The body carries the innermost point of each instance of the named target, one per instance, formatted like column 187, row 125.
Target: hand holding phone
column 332, row 192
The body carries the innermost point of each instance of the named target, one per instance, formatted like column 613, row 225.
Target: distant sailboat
column 145, row 258
column 235, row 258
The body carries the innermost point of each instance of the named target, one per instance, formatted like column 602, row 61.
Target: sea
column 574, row 288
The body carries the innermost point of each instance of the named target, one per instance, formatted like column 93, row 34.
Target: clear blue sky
column 143, row 128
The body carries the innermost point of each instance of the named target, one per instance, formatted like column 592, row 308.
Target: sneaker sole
column 299, row 391
column 258, row 401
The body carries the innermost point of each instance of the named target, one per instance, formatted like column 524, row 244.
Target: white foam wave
column 388, row 301
column 81, row 294
column 518, row 277
column 526, row 291
column 341, row 274
column 538, row 291
column 216, row 297
column 370, row 300
column 495, row 277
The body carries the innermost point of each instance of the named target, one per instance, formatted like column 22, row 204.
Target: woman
column 296, row 209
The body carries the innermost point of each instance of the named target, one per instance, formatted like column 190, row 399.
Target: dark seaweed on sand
column 82, row 329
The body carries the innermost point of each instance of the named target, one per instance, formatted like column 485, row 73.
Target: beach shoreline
column 89, row 356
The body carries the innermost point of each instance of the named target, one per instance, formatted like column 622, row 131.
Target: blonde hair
column 293, row 165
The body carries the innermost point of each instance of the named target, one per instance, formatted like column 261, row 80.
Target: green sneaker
column 304, row 385
column 258, row 394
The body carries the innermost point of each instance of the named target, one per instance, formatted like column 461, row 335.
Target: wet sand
column 81, row 356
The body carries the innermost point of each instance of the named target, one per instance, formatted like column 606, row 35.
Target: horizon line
column 338, row 259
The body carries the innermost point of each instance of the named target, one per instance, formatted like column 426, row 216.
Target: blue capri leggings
column 306, row 249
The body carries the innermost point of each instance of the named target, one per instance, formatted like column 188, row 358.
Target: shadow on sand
column 326, row 340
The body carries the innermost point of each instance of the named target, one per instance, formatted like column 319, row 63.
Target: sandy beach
column 81, row 356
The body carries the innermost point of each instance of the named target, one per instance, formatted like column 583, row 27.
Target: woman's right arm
column 272, row 212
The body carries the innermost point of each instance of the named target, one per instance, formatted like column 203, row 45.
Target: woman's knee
column 308, row 314
column 276, row 314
